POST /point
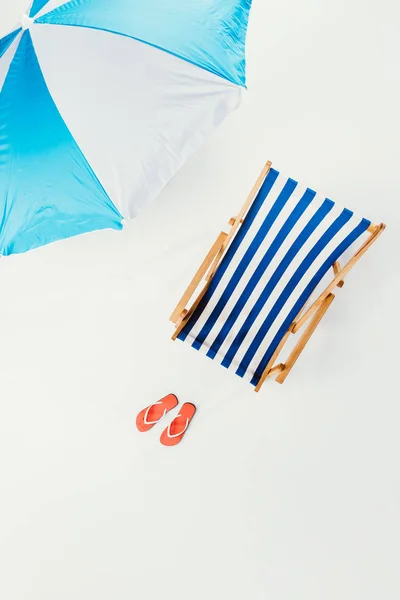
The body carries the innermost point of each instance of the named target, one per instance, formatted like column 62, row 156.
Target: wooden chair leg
column 268, row 371
column 186, row 314
column 297, row 350
column 202, row 270
column 336, row 271
column 376, row 232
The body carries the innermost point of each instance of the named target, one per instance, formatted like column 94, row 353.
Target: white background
column 291, row 494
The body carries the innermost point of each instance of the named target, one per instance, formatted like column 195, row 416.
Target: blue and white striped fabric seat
column 290, row 238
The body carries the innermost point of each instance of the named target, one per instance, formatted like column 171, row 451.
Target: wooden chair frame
column 312, row 315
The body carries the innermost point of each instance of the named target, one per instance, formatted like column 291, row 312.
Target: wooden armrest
column 201, row 272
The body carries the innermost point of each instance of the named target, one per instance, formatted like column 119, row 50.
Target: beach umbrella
column 102, row 101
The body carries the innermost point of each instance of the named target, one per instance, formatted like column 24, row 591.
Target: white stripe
column 240, row 252
column 136, row 112
column 311, row 271
column 7, row 59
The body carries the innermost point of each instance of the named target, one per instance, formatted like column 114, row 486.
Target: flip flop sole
column 173, row 434
column 151, row 415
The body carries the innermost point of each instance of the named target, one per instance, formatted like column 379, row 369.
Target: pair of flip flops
column 173, row 434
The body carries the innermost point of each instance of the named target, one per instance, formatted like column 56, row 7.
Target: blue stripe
column 324, row 240
column 36, row 6
column 237, row 240
column 269, row 220
column 302, row 238
column 294, row 217
column 335, row 255
column 6, row 41
column 48, row 190
column 208, row 34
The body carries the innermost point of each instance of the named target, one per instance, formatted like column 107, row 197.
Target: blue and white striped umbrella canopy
column 102, row 101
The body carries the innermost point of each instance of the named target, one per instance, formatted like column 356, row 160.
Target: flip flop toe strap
column 146, row 414
column 175, row 435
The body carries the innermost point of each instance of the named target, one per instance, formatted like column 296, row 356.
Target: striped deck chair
column 259, row 277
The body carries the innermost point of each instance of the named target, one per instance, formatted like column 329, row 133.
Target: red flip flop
column 173, row 434
column 149, row 416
